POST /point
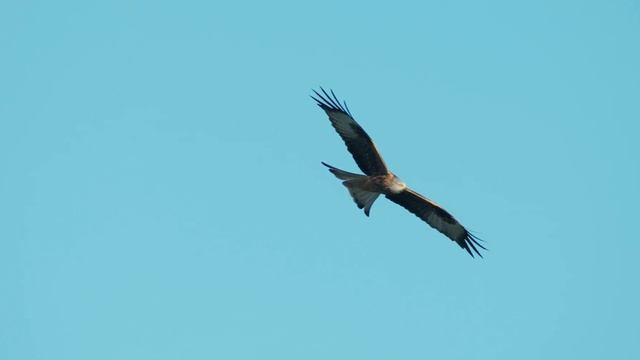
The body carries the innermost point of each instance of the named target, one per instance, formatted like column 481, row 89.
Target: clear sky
column 162, row 197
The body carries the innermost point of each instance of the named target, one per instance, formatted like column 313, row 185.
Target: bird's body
column 378, row 180
column 383, row 184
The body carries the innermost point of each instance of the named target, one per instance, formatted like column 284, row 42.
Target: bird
column 379, row 180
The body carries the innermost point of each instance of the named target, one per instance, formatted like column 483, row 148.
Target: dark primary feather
column 443, row 221
column 358, row 142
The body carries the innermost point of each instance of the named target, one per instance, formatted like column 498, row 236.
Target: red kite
column 377, row 180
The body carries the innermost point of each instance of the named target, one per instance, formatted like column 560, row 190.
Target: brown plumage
column 377, row 180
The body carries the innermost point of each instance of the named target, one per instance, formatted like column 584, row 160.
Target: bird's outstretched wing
column 438, row 218
column 358, row 142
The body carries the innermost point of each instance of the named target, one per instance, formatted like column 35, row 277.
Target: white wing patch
column 344, row 124
column 455, row 231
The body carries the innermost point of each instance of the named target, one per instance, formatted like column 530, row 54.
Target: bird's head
column 397, row 185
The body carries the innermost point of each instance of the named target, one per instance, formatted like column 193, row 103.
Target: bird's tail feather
column 364, row 199
column 341, row 174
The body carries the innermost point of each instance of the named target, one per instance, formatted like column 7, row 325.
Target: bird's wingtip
column 329, row 102
column 469, row 243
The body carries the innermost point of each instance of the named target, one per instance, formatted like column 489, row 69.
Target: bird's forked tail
column 364, row 199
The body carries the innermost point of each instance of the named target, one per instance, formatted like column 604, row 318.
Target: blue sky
column 162, row 193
